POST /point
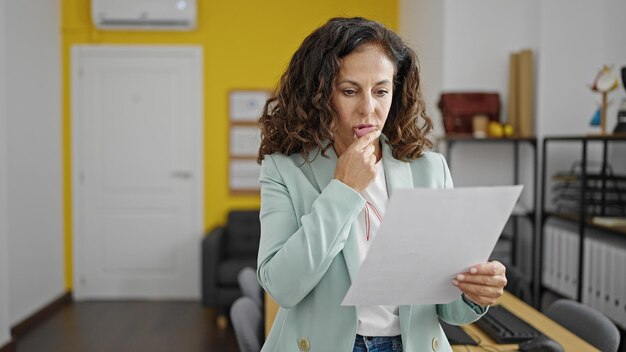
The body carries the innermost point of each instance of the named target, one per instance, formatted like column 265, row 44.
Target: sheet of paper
column 427, row 237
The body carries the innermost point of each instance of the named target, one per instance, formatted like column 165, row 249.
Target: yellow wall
column 246, row 44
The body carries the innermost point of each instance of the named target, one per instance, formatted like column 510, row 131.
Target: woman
column 347, row 127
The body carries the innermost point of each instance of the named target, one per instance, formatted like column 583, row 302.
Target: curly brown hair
column 299, row 116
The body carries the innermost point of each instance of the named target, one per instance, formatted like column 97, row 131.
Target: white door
column 137, row 171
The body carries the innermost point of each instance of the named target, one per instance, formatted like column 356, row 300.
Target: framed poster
column 246, row 105
column 243, row 176
column 244, row 141
column 244, row 138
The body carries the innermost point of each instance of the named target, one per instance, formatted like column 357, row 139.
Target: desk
column 548, row 327
column 271, row 308
column 568, row 340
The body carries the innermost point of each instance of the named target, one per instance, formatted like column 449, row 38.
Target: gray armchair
column 225, row 251
column 247, row 321
column 586, row 322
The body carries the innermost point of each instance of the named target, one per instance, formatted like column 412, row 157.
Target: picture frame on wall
column 244, row 141
column 243, row 176
column 246, row 105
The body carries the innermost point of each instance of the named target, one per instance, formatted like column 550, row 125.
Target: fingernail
column 455, row 283
column 473, row 270
column 460, row 277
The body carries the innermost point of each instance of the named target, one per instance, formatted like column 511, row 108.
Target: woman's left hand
column 482, row 284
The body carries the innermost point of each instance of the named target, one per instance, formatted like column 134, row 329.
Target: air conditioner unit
column 144, row 14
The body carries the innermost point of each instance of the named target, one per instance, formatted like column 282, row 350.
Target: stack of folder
column 560, row 270
column 604, row 270
column 604, row 287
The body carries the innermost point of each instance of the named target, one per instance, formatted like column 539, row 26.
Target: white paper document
column 427, row 236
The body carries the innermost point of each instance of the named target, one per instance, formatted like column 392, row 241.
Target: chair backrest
column 586, row 322
column 250, row 287
column 243, row 233
column 248, row 324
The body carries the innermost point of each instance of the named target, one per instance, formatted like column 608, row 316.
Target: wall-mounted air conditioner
column 144, row 14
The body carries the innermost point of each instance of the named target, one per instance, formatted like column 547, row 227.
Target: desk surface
column 568, row 340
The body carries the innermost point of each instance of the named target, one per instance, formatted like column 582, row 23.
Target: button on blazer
column 308, row 253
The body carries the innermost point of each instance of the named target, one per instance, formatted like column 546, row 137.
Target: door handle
column 184, row 174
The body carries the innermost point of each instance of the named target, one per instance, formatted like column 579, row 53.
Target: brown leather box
column 458, row 109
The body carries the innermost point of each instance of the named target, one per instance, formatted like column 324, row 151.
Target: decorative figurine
column 620, row 127
column 604, row 83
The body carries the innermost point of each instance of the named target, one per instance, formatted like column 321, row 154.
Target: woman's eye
column 349, row 92
column 382, row 93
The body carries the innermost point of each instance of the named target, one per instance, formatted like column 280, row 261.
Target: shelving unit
column 581, row 217
column 518, row 212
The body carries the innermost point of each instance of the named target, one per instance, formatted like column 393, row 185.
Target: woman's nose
column 367, row 105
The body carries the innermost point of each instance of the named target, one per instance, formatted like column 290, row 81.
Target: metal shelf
column 581, row 217
column 614, row 230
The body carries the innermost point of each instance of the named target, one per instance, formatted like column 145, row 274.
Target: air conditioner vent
column 144, row 23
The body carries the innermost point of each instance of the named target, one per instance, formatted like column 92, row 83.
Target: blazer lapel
column 397, row 173
column 322, row 167
column 323, row 170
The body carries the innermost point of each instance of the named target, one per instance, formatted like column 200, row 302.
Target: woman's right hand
column 356, row 166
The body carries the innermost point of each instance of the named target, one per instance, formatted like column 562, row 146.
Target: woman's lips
column 362, row 130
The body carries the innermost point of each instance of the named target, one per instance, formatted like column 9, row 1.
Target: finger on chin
column 367, row 139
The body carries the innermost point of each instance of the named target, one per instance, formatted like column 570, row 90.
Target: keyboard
column 456, row 335
column 505, row 327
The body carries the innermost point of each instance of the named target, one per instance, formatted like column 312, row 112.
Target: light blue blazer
column 308, row 253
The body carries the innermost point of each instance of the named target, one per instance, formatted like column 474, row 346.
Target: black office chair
column 225, row 251
column 586, row 322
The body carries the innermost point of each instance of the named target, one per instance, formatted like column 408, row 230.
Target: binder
column 547, row 260
column 564, row 279
column 572, row 265
column 615, row 285
column 554, row 258
column 587, row 272
column 596, row 273
column 544, row 249
column 607, row 276
column 622, row 273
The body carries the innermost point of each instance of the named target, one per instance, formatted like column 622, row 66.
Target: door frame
column 193, row 52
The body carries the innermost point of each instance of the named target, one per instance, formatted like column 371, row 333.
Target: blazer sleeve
column 460, row 311
column 294, row 254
